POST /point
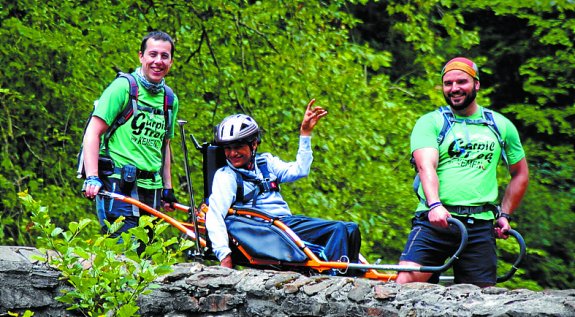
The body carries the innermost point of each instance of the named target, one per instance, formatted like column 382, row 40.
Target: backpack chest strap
column 261, row 185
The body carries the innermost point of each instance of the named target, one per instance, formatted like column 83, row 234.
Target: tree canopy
column 373, row 65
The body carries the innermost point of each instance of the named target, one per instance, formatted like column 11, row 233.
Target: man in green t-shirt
column 458, row 179
column 140, row 147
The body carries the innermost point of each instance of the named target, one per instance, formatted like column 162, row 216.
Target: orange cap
column 462, row 64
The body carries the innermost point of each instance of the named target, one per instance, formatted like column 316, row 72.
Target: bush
column 107, row 275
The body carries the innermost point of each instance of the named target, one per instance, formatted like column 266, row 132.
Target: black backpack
column 129, row 110
column 449, row 120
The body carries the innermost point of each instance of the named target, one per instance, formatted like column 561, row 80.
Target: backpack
column 129, row 110
column 448, row 120
column 266, row 185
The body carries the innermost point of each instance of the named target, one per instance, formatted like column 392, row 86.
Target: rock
column 194, row 289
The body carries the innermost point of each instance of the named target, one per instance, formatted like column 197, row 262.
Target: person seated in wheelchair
column 240, row 136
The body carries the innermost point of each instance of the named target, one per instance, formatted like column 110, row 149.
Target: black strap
column 168, row 108
column 146, row 174
column 139, row 173
column 240, row 188
column 261, row 186
column 470, row 210
column 129, row 110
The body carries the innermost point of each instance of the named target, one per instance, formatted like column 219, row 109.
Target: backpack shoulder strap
column 168, row 97
column 129, row 110
column 262, row 164
column 449, row 118
column 240, row 189
column 168, row 118
column 168, row 106
column 133, row 98
column 490, row 121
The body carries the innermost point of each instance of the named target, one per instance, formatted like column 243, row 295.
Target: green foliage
column 107, row 274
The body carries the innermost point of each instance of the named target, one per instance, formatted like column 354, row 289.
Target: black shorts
column 431, row 246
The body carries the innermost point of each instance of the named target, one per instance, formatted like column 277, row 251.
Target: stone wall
column 197, row 290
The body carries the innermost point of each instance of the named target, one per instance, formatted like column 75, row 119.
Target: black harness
column 261, row 186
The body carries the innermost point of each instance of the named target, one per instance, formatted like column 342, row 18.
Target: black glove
column 168, row 196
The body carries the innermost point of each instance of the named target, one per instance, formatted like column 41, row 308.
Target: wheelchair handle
column 518, row 260
column 429, row 269
column 455, row 256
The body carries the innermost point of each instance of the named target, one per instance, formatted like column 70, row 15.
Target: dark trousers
column 340, row 239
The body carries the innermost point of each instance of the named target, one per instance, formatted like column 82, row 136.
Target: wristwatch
column 506, row 216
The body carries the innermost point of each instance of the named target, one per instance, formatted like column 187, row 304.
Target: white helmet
column 237, row 128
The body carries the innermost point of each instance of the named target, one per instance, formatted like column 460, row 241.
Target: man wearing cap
column 458, row 179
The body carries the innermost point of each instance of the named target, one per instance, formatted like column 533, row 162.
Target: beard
column 465, row 103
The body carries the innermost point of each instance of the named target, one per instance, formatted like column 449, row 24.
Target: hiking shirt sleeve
column 424, row 135
column 223, row 196
column 513, row 147
column 425, row 131
column 112, row 100
column 291, row 171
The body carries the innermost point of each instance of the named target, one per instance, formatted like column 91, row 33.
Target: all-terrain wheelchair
column 260, row 240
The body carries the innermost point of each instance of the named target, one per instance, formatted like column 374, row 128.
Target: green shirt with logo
column 138, row 141
column 468, row 177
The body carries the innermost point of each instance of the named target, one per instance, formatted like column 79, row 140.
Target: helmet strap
column 253, row 153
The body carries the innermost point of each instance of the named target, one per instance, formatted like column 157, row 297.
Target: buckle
column 269, row 186
column 146, row 175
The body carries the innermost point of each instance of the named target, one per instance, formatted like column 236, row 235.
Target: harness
column 261, row 186
column 131, row 108
column 487, row 120
column 448, row 122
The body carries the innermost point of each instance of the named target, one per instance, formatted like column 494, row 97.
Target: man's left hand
column 501, row 228
column 168, row 199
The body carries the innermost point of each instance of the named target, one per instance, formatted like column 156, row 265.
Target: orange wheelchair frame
column 313, row 262
column 195, row 230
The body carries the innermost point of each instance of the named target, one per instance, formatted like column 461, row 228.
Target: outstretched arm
column 292, row 171
column 311, row 118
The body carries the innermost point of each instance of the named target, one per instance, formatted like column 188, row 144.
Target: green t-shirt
column 138, row 141
column 468, row 179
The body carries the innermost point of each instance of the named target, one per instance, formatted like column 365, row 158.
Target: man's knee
column 351, row 228
column 404, row 277
column 411, row 277
column 353, row 233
